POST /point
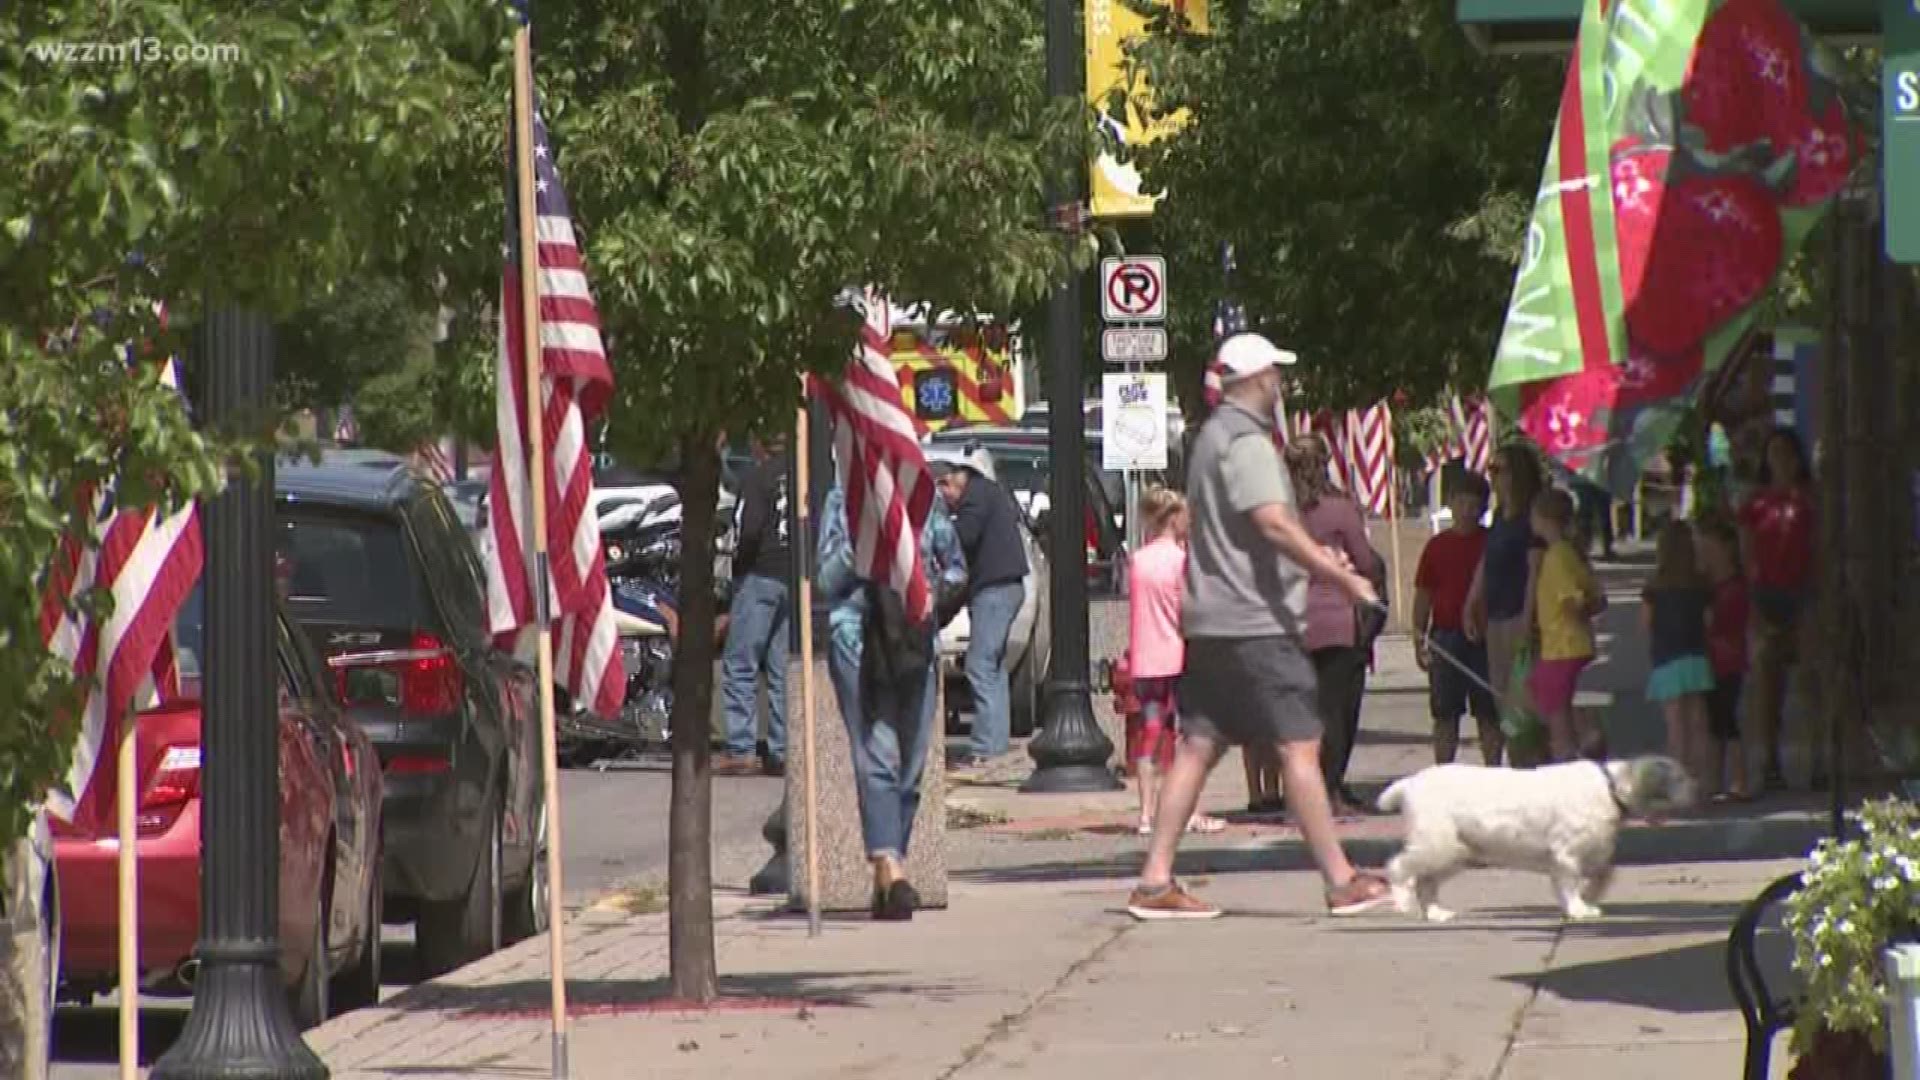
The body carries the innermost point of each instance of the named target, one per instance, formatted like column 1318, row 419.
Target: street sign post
column 1900, row 169
column 1133, row 344
column 1133, row 289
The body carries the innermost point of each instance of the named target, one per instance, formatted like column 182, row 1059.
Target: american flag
column 434, row 460
column 1370, row 456
column 889, row 491
column 1468, row 434
column 147, row 559
column 577, row 382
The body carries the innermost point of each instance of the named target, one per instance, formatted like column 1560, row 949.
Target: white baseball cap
column 1245, row 355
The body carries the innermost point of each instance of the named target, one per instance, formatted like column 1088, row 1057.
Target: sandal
column 1205, row 824
column 1145, row 828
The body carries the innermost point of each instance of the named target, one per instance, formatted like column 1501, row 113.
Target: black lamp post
column 1071, row 752
column 240, row 1027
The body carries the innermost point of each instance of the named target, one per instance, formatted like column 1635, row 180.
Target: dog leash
column 1457, row 664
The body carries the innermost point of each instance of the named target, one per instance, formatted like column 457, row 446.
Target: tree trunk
column 24, row 958
column 690, row 825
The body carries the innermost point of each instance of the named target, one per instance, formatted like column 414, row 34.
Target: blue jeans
column 889, row 740
column 990, row 616
column 756, row 642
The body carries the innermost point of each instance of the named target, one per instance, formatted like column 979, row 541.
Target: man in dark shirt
column 757, row 622
column 989, row 526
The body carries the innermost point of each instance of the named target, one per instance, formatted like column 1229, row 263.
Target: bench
column 1763, row 1008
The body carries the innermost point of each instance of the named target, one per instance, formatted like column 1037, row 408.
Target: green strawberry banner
column 1697, row 145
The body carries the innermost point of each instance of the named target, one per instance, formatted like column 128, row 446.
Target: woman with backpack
column 884, row 670
column 1341, row 646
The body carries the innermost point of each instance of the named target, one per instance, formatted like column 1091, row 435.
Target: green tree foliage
column 210, row 154
column 1374, row 173
column 733, row 166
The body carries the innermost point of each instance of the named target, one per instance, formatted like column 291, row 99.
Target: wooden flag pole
column 1393, row 539
column 125, row 807
column 803, row 610
column 535, row 402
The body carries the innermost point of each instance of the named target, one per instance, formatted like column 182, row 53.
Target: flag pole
column 803, row 610
column 535, row 401
column 1393, row 532
column 125, row 800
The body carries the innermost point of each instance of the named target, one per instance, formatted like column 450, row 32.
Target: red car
column 330, row 895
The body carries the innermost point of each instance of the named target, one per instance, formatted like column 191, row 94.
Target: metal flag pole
column 803, row 610
column 125, row 798
column 537, row 484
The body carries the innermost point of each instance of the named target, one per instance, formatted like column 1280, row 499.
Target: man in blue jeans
column 988, row 524
column 757, row 622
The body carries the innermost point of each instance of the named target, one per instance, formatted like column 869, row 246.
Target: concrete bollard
column 846, row 878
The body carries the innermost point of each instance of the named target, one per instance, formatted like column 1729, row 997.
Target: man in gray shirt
column 1248, row 680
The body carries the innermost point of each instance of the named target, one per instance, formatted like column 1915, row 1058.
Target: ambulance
column 957, row 371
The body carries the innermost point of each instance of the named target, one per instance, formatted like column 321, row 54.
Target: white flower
column 1846, row 926
column 1826, row 959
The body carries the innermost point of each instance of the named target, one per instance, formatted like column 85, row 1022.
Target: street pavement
column 615, row 835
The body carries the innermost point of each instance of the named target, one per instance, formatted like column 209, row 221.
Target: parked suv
column 380, row 573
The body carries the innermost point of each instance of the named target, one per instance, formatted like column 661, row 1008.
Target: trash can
column 1903, row 1010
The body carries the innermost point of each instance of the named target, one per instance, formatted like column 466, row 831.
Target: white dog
column 1561, row 820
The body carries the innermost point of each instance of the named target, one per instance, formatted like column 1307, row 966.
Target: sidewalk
column 1036, row 971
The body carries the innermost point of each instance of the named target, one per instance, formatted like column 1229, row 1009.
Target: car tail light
column 175, row 784
column 422, row 679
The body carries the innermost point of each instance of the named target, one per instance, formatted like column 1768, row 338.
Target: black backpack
column 897, row 650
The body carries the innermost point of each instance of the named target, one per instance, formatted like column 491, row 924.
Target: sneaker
column 1167, row 904
column 1362, row 893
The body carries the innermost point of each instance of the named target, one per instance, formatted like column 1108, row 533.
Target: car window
column 351, row 568
column 447, row 556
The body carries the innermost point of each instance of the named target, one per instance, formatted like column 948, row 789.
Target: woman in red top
column 1777, row 545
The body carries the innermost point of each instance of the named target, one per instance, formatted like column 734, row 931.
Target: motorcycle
column 642, row 557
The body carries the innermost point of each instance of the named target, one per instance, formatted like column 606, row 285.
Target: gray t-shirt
column 1238, row 585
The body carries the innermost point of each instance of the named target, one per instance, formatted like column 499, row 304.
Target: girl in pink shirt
column 1156, row 653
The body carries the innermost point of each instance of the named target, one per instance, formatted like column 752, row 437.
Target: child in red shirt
column 1447, row 566
column 1719, row 546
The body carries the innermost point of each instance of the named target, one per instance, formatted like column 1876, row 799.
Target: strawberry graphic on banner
column 1698, row 143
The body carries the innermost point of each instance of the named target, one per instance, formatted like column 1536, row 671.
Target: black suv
column 378, row 570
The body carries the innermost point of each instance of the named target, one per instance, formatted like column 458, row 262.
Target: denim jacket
column 940, row 560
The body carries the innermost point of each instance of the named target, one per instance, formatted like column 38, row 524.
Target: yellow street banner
column 1111, row 24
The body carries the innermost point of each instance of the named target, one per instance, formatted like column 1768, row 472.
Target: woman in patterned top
column 888, row 723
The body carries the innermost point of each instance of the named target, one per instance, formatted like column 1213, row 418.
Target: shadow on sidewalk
column 1707, row 839
column 1625, row 920
column 1687, row 979
column 762, row 992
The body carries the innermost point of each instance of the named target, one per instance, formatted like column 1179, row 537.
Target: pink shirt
column 1155, row 649
column 1334, row 522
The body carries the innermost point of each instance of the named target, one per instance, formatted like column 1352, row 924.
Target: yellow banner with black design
column 1111, row 25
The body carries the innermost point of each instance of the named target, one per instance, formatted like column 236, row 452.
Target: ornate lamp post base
column 240, row 1028
column 1071, row 753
